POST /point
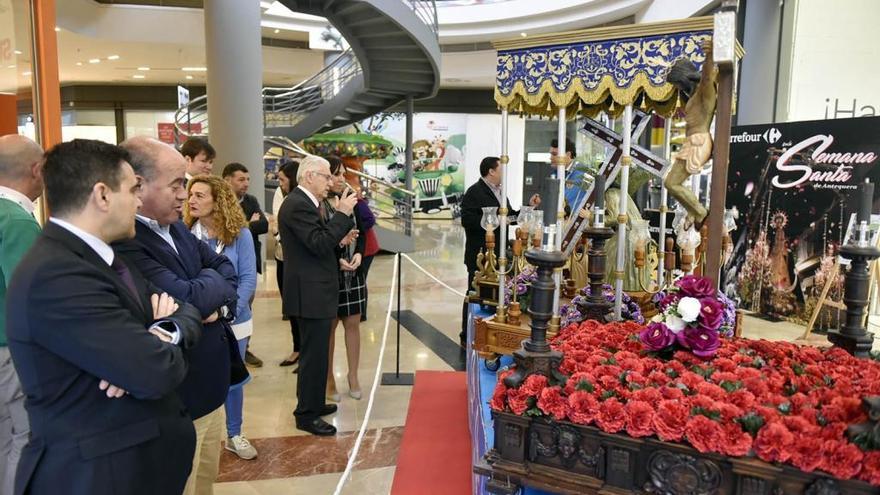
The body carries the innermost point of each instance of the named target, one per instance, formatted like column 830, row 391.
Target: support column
column 622, row 216
column 664, row 199
column 720, row 159
column 560, row 211
column 501, row 311
column 235, row 80
column 47, row 90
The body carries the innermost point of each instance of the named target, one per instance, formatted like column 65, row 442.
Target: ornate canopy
column 595, row 70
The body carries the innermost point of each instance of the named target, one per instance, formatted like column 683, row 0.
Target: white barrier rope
column 357, row 443
column 426, row 272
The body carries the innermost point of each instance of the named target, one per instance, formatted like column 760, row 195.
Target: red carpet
column 435, row 454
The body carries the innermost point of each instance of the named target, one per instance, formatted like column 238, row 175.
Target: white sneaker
column 241, row 447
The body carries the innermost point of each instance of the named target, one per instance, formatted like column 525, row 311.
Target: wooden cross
column 610, row 168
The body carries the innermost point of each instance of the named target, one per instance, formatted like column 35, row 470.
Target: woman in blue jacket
column 214, row 216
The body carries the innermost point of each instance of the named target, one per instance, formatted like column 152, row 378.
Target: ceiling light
column 94, row 60
column 277, row 31
column 57, row 29
column 26, row 73
column 194, row 69
column 189, row 77
column 523, row 34
column 17, row 52
column 79, row 63
column 113, row 57
column 10, row 66
column 138, row 76
column 143, row 68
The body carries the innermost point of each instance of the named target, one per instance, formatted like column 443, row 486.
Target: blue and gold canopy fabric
column 598, row 70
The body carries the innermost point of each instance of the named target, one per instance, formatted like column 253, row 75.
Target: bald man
column 21, row 183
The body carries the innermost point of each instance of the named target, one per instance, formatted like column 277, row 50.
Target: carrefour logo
column 771, row 135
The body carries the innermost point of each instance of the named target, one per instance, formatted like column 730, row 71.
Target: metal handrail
column 373, row 178
column 288, row 106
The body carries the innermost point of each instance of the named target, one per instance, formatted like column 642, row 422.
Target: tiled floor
column 293, row 463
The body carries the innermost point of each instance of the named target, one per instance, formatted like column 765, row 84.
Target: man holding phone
column 311, row 285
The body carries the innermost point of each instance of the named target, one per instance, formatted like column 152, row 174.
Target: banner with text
column 794, row 185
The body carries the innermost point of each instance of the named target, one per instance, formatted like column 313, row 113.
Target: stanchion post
column 398, row 378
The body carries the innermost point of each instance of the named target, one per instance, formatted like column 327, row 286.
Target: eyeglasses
column 325, row 176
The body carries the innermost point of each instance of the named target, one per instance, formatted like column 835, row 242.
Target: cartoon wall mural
column 439, row 152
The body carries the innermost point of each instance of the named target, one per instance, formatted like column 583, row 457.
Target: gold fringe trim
column 606, row 97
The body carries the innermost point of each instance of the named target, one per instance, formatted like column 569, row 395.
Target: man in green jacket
column 21, row 183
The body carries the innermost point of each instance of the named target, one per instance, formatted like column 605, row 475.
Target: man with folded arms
column 99, row 360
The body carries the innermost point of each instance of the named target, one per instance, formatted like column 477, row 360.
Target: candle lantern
column 853, row 336
column 688, row 242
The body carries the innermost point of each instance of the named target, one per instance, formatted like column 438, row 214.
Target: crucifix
column 610, row 168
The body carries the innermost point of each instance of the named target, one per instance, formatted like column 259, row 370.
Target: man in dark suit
column 98, row 360
column 174, row 260
column 311, row 282
column 485, row 192
column 236, row 175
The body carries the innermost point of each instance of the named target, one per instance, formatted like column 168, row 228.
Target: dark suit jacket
column 311, row 266
column 250, row 205
column 71, row 323
column 204, row 279
column 475, row 198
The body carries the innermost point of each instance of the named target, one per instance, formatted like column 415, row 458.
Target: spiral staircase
column 394, row 54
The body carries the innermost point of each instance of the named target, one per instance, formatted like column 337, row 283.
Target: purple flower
column 702, row 341
column 657, row 336
column 669, row 299
column 711, row 313
column 693, row 286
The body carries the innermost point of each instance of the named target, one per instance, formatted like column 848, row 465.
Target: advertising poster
column 795, row 187
column 439, row 148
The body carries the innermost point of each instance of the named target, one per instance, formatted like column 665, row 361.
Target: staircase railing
column 426, row 10
column 392, row 205
column 288, row 106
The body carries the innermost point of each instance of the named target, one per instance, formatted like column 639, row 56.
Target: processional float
column 622, row 72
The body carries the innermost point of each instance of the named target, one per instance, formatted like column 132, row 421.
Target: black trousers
column 464, row 307
column 294, row 330
column 311, row 385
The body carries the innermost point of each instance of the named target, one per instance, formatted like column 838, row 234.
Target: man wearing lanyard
column 21, row 183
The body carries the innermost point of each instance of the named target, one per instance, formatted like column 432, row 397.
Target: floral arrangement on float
column 575, row 311
column 521, row 283
column 693, row 316
column 776, row 401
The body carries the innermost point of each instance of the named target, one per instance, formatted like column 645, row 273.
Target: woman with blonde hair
column 214, row 216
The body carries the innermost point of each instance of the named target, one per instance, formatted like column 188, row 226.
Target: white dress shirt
column 164, row 231
column 17, row 198
column 310, row 195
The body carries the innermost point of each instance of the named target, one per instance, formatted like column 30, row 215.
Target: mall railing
column 426, row 10
column 392, row 205
column 288, row 106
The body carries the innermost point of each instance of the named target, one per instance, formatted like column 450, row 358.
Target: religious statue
column 699, row 93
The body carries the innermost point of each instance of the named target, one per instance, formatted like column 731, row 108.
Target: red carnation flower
column 871, row 467
column 735, row 441
column 704, row 434
column 650, row 395
column 639, row 418
column 498, row 396
column 672, row 393
column 583, row 407
column 670, row 420
column 807, row 453
column 842, row 459
column 712, row 390
column 773, row 442
column 742, row 399
column 612, row 416
column 533, row 385
column 551, row 403
column 517, row 401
